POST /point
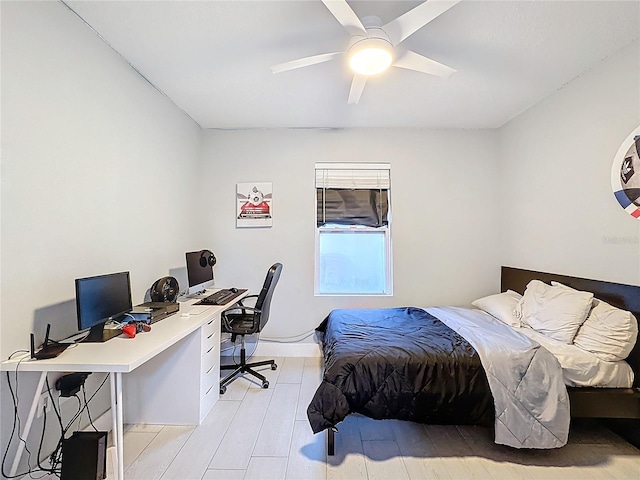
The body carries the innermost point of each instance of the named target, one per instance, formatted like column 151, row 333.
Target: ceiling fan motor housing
column 373, row 53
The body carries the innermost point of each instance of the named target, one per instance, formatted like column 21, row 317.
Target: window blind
column 352, row 194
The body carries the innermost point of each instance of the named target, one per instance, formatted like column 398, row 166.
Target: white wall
column 444, row 208
column 558, row 209
column 98, row 171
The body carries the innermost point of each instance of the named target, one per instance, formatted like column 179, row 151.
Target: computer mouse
column 234, row 289
column 184, row 314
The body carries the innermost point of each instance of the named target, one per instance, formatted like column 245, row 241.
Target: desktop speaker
column 84, row 456
column 164, row 289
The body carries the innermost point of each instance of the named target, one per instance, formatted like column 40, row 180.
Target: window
column 353, row 236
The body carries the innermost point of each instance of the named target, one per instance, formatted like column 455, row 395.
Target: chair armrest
column 239, row 303
column 244, row 309
column 246, row 297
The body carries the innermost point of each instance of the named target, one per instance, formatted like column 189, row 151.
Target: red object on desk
column 129, row 330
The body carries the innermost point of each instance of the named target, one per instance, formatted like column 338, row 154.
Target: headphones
column 207, row 258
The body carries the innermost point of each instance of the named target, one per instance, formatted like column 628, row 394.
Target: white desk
column 173, row 372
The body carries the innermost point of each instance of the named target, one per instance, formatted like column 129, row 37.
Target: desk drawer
column 212, row 326
column 210, row 357
column 210, row 339
column 210, row 378
column 209, row 364
column 209, row 398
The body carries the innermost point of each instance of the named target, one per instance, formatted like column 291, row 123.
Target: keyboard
column 221, row 297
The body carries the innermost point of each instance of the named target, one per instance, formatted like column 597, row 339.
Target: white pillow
column 608, row 332
column 555, row 311
column 500, row 306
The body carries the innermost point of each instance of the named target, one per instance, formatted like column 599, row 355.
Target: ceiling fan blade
column 416, row 18
column 305, row 62
column 414, row 61
column 346, row 16
column 357, row 86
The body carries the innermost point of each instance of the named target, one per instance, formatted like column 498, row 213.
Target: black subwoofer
column 84, row 456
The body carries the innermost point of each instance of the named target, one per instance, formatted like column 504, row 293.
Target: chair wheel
column 274, row 366
column 265, row 384
column 222, row 390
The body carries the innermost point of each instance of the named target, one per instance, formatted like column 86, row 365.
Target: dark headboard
column 626, row 297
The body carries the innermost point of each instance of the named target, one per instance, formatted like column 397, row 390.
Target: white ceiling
column 213, row 58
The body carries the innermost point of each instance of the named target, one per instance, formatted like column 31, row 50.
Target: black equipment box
column 84, row 456
column 151, row 312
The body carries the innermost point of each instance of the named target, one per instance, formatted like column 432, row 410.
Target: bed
column 439, row 366
column 592, row 402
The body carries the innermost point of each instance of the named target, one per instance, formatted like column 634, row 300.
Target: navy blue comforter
column 398, row 363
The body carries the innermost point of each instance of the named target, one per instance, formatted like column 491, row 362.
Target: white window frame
column 358, row 230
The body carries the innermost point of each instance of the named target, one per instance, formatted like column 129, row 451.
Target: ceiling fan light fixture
column 370, row 56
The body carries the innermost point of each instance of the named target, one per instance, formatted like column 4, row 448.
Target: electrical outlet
column 44, row 402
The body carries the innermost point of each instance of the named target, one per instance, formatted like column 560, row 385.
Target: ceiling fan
column 373, row 47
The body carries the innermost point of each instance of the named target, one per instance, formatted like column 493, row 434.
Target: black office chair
column 240, row 320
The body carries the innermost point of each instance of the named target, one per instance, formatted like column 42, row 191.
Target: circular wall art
column 625, row 174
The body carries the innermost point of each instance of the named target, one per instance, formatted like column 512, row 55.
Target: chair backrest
column 263, row 303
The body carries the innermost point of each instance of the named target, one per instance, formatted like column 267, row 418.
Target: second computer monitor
column 199, row 277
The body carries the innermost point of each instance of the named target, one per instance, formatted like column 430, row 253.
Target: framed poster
column 625, row 174
column 254, row 204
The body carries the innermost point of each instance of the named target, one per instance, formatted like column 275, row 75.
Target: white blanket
column 531, row 401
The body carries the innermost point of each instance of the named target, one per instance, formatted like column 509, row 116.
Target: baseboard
column 288, row 349
column 278, row 349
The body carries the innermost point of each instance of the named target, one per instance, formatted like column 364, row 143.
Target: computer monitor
column 100, row 299
column 199, row 277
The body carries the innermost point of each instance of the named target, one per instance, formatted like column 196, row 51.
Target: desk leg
column 120, row 421
column 114, row 415
column 27, row 426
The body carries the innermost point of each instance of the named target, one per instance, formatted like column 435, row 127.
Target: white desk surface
column 123, row 354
